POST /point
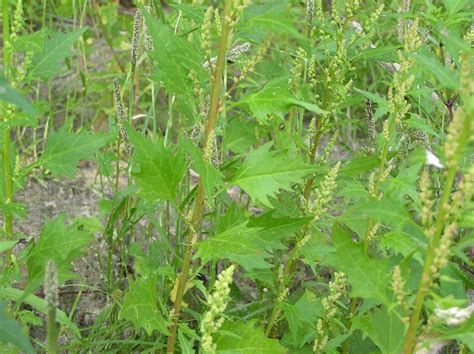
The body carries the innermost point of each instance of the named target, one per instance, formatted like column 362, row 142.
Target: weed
column 274, row 176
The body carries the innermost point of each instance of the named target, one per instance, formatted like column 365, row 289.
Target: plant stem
column 370, row 222
column 378, row 181
column 107, row 38
column 312, row 157
column 200, row 197
column 295, row 251
column 7, row 170
column 443, row 211
column 117, row 166
column 52, row 347
column 159, row 10
column 425, row 277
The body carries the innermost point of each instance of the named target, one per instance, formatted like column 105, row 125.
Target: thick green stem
column 7, row 169
column 425, row 278
column 52, row 347
column 200, row 197
column 441, row 216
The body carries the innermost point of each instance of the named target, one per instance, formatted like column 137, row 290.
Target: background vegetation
column 262, row 176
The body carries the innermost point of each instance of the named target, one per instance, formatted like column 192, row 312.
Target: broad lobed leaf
column 140, row 306
column 368, row 277
column 161, row 169
column 47, row 62
column 264, row 172
column 65, row 149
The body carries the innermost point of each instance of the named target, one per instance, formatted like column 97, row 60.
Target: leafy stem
column 312, row 157
column 370, row 221
column 200, row 197
column 7, row 169
column 288, row 272
column 441, row 215
column 379, row 180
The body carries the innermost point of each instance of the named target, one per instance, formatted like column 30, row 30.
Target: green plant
column 273, row 176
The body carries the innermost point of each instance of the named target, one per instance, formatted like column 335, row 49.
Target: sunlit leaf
column 174, row 57
column 247, row 338
column 265, row 172
column 42, row 306
column 368, row 277
column 275, row 99
column 140, row 306
column 48, row 63
column 386, row 329
column 11, row 332
column 9, row 95
column 64, row 150
column 58, row 242
column 160, row 168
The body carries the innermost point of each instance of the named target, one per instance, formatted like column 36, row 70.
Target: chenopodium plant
column 200, row 93
column 414, row 247
column 193, row 74
column 243, row 174
column 30, row 61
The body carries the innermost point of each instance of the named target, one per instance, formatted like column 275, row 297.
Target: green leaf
column 312, row 107
column 270, row 18
column 174, row 57
column 265, row 172
column 454, row 6
column 47, row 63
column 7, row 245
column 42, row 306
column 275, row 99
column 275, row 230
column 381, row 101
column 31, row 42
column 247, row 338
column 250, row 243
column 316, row 249
column 301, row 316
column 185, row 344
column 64, row 150
column 445, row 77
column 239, row 136
column 352, row 190
column 384, row 53
column 401, row 242
column 404, row 184
column 58, row 242
column 160, row 169
column 11, row 332
column 386, row 211
column 359, row 165
column 140, row 306
column 7, row 94
column 368, row 277
column 239, row 244
column 385, row 328
column 416, row 122
column 209, row 175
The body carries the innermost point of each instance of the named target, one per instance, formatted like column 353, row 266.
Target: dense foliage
column 275, row 176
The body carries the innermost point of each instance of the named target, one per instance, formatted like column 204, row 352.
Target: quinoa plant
column 272, row 176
